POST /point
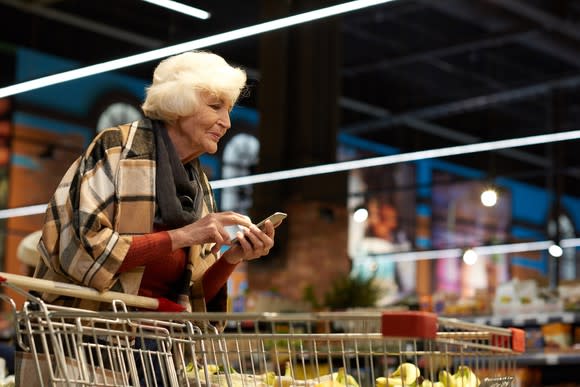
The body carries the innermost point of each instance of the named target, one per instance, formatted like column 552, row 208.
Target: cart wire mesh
column 71, row 347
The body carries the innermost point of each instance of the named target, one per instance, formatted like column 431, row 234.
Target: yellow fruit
column 390, row 382
column 283, row 381
column 464, row 377
column 213, row 369
column 342, row 377
column 269, row 378
column 407, row 373
column 330, row 383
column 446, row 378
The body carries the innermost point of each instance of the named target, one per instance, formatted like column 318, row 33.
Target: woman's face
column 200, row 132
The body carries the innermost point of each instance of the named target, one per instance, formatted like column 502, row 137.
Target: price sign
column 506, row 381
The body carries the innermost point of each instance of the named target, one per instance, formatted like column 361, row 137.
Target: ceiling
column 415, row 74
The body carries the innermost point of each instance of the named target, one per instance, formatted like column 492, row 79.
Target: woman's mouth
column 215, row 136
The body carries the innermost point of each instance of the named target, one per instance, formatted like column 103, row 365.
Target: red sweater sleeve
column 215, row 277
column 145, row 248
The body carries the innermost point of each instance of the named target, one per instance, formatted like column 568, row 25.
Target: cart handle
column 16, row 281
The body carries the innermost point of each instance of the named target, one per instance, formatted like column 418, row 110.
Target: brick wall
column 315, row 254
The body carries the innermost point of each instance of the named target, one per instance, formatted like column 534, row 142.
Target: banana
column 392, row 382
column 218, row 378
column 407, row 374
column 283, row 381
column 345, row 379
column 428, row 383
column 335, row 379
column 213, row 369
column 447, row 379
column 465, row 377
column 330, row 383
column 269, row 378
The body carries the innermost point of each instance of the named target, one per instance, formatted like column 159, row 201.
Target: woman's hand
column 209, row 229
column 252, row 243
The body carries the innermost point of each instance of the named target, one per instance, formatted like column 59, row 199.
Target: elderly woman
column 136, row 214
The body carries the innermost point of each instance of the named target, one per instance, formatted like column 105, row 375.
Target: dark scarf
column 179, row 196
column 178, row 191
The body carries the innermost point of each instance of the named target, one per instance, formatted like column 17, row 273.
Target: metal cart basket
column 72, row 347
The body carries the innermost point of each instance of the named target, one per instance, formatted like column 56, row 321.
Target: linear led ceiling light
column 393, row 159
column 22, row 211
column 188, row 46
column 182, row 8
column 357, row 164
column 509, row 248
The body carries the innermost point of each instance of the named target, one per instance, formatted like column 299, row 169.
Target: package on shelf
column 569, row 292
column 534, row 339
column 271, row 302
column 557, row 336
column 523, row 297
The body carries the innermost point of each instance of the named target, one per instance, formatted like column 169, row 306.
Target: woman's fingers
column 212, row 229
column 230, row 218
column 256, row 243
column 268, row 229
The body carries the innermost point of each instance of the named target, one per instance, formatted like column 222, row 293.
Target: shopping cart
column 72, row 347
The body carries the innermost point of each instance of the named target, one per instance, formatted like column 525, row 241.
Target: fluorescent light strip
column 512, row 248
column 188, row 46
column 480, row 250
column 22, row 211
column 393, row 159
column 570, row 242
column 182, row 8
column 357, row 164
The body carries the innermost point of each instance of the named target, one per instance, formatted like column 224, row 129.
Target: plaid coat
column 106, row 197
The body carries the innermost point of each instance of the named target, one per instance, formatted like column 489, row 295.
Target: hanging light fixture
column 360, row 214
column 489, row 196
column 555, row 250
column 470, row 256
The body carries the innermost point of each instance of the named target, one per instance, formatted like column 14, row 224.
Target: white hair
column 178, row 81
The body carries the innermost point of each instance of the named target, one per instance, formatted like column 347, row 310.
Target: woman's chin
column 212, row 149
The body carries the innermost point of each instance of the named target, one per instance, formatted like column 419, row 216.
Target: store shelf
column 539, row 359
column 522, row 320
column 548, row 359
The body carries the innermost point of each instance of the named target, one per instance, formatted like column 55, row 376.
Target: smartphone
column 276, row 218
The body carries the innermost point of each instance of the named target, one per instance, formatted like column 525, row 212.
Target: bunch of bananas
column 334, row 379
column 339, row 379
column 218, row 378
column 463, row 377
column 409, row 375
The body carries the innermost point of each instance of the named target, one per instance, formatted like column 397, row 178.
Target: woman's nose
column 225, row 119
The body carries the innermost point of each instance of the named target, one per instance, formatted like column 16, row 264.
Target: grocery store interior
column 426, row 152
